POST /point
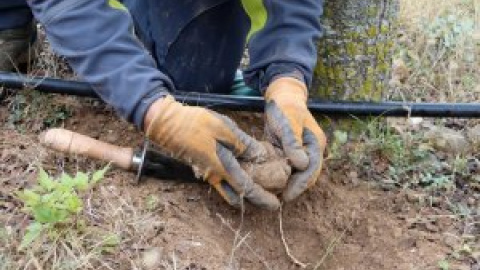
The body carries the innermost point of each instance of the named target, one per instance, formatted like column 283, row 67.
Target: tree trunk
column 354, row 56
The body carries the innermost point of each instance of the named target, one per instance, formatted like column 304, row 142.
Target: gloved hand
column 291, row 126
column 211, row 142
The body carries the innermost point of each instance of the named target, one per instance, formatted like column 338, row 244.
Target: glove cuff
column 287, row 87
column 153, row 117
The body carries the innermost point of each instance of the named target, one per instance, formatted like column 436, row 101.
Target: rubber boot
column 17, row 48
column 239, row 87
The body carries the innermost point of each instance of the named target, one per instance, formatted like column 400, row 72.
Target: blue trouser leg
column 199, row 44
column 14, row 13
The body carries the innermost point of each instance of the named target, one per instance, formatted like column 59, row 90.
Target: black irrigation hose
column 243, row 103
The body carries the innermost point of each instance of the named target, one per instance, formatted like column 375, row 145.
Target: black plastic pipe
column 244, row 103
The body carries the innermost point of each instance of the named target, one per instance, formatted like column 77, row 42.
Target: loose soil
column 341, row 223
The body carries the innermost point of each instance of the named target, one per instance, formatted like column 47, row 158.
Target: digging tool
column 143, row 161
column 248, row 103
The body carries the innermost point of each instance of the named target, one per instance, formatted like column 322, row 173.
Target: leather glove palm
column 211, row 142
column 292, row 126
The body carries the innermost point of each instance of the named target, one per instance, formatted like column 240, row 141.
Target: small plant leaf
column 33, row 232
column 111, row 240
column 81, row 181
column 74, row 204
column 29, row 197
column 67, row 180
column 98, row 175
column 55, row 202
column 45, row 181
column 43, row 214
column 443, row 265
column 341, row 137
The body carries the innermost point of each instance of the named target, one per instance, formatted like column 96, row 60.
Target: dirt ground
column 342, row 223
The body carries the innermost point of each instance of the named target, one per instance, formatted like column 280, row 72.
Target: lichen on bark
column 354, row 55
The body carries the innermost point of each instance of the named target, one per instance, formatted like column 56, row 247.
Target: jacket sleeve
column 282, row 40
column 96, row 37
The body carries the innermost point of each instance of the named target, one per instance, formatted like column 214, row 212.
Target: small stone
column 151, row 259
column 448, row 140
column 460, row 266
column 387, row 184
column 444, row 221
column 397, row 232
column 353, row 175
column 471, row 201
column 184, row 247
column 111, row 136
column 435, row 201
column 400, row 71
column 453, row 66
column 451, row 241
column 398, row 125
column 413, row 197
column 473, row 135
column 415, row 122
column 431, row 227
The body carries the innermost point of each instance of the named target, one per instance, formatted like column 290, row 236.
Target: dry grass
column 412, row 12
column 439, row 48
column 48, row 63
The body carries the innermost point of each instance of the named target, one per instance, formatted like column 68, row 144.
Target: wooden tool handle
column 70, row 142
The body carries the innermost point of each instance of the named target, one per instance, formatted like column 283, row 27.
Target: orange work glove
column 290, row 124
column 212, row 143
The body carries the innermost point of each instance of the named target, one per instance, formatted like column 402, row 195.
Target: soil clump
column 273, row 172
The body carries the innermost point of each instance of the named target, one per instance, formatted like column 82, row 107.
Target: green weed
column 33, row 110
column 54, row 204
column 5, row 262
column 443, row 265
column 381, row 141
column 340, row 138
column 436, row 181
column 449, row 30
column 460, row 166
